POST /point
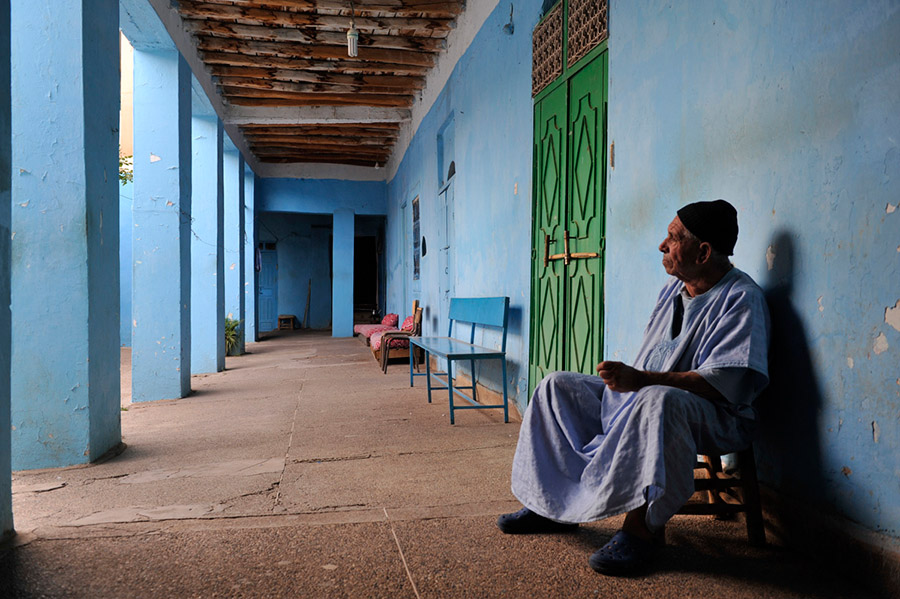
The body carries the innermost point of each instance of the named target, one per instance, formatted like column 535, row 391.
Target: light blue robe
column 586, row 452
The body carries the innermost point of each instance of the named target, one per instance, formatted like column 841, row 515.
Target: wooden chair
column 386, row 339
column 724, row 494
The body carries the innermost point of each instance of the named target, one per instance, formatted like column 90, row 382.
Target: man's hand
column 621, row 377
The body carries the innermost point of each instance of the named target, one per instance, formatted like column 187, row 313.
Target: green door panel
column 547, row 315
column 584, row 220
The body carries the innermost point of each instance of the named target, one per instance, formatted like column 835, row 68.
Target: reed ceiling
column 293, row 53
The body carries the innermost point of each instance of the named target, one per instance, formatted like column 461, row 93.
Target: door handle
column 566, row 256
column 547, row 256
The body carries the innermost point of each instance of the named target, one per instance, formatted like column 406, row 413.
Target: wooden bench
column 484, row 312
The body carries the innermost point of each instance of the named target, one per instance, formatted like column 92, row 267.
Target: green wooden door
column 568, row 225
column 585, row 215
column 547, row 296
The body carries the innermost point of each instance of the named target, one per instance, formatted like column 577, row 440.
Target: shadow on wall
column 789, row 445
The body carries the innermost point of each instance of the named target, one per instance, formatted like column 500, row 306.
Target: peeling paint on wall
column 849, row 362
column 876, row 431
column 890, row 208
column 770, row 257
column 881, row 344
column 892, row 315
column 819, row 301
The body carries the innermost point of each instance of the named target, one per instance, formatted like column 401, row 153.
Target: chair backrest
column 417, row 322
column 484, row 311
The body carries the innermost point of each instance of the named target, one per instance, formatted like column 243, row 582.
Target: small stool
column 726, row 494
column 286, row 322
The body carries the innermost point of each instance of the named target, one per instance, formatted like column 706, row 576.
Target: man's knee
column 559, row 386
column 668, row 401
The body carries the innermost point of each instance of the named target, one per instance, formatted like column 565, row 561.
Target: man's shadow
column 788, row 447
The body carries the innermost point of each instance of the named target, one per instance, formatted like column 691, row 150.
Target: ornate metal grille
column 588, row 26
column 547, row 59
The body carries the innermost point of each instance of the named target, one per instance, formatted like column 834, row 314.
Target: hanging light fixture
column 352, row 35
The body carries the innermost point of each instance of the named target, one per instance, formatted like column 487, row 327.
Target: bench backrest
column 484, row 311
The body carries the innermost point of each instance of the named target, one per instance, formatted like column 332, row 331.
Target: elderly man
column 592, row 447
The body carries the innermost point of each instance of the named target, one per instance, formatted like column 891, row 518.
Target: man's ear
column 704, row 252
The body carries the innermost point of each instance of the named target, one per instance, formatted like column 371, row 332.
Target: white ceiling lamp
column 352, row 35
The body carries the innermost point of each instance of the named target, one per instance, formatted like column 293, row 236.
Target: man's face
column 680, row 251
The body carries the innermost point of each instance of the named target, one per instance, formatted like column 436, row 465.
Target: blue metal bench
column 478, row 312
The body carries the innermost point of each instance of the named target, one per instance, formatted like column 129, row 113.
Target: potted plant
column 232, row 336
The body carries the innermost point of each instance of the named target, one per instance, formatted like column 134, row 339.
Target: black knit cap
column 712, row 222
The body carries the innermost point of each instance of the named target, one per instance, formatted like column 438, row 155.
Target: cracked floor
column 303, row 471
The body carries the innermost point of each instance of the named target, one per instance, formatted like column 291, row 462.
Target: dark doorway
column 365, row 278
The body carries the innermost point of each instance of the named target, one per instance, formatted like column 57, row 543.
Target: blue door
column 446, row 274
column 268, row 288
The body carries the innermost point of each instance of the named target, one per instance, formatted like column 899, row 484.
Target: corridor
column 303, row 471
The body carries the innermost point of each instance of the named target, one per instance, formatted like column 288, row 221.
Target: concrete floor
column 303, row 471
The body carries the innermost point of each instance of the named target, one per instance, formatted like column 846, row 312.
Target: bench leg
column 474, row 385
column 412, row 349
column 428, row 375
column 505, row 402
column 450, row 386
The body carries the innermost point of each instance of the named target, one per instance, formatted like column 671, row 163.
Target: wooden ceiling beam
column 312, row 149
column 348, row 67
column 309, row 36
column 389, row 135
column 351, row 162
column 290, row 86
column 415, row 83
column 315, row 52
column 380, row 142
column 249, row 97
column 400, row 8
column 320, row 151
column 249, row 15
column 274, row 115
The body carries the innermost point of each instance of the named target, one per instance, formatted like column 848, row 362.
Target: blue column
column 207, row 255
column 65, row 232
column 234, row 241
column 249, row 255
column 342, row 274
column 126, row 227
column 161, row 295
column 6, row 518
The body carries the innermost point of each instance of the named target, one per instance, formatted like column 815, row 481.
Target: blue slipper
column 624, row 555
column 526, row 522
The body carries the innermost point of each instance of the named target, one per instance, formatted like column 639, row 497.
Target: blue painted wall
column 65, row 111
column 488, row 97
column 320, row 196
column 6, row 516
column 301, row 241
column 791, row 110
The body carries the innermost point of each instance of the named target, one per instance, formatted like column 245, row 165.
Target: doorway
column 268, row 287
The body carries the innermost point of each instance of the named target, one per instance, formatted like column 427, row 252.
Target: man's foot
column 526, row 522
column 624, row 555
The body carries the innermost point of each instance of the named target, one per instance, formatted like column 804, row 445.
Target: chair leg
column 714, row 466
column 756, row 531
